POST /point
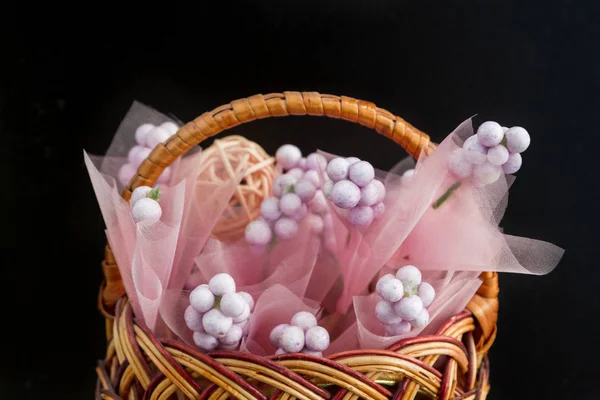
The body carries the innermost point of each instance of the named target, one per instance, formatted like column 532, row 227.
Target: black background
column 67, row 80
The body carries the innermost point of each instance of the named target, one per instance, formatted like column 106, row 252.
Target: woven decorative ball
column 450, row 364
column 224, row 160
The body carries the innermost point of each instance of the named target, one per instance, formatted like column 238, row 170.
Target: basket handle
column 278, row 105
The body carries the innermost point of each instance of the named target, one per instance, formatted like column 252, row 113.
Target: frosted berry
column 369, row 195
column 285, row 228
column 459, row 165
column 302, row 164
column 490, row 133
column 142, row 132
column 337, row 169
column 289, row 204
column 269, row 209
column 216, row 324
column 410, row 276
column 361, row 173
column 193, row 319
column 288, row 156
column 426, row 293
column 146, row 209
column 275, row 335
column 221, row 284
column 296, row 172
column 248, row 299
column 301, row 213
column 205, row 341
column 316, row 339
column 232, row 304
column 139, row 193
column 202, row 299
column 476, row 153
column 169, row 126
column 345, row 194
column 258, row 233
column 137, row 154
column 352, row 160
column 409, row 307
column 292, row 339
column 305, row 190
column 384, row 311
column 422, row 319
column 313, row 177
column 315, row 222
column 497, row 155
column 399, row 328
column 378, row 210
column 361, row 215
column 243, row 316
column 485, row 174
column 513, row 164
column 126, row 172
column 517, row 139
column 390, row 288
column 156, row 136
column 283, row 184
column 233, row 336
column 304, row 320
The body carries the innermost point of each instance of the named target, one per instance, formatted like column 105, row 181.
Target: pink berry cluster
column 144, row 204
column 218, row 315
column 405, row 299
column 493, row 150
column 147, row 137
column 351, row 185
column 301, row 335
column 297, row 195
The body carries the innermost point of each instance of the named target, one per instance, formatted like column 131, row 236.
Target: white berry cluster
column 218, row 315
column 493, row 150
column 302, row 335
column 297, row 195
column 351, row 185
column 147, row 137
column 144, row 204
column 405, row 301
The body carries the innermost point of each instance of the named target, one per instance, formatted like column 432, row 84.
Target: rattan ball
column 227, row 158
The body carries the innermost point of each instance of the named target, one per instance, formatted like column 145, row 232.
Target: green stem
column 442, row 199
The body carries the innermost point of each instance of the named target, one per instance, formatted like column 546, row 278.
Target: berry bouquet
column 232, row 254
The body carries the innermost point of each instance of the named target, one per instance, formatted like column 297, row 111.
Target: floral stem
column 442, row 199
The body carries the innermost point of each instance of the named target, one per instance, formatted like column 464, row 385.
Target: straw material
column 219, row 163
column 449, row 365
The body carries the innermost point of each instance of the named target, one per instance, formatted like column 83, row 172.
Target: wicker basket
column 449, row 365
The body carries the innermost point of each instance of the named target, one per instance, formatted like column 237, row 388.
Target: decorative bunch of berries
column 147, row 137
column 218, row 314
column 492, row 151
column 351, row 185
column 405, row 299
column 297, row 195
column 301, row 335
column 145, row 204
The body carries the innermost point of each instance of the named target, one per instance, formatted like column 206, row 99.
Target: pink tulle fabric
column 124, row 138
column 463, row 234
column 452, row 244
column 287, row 263
column 144, row 251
